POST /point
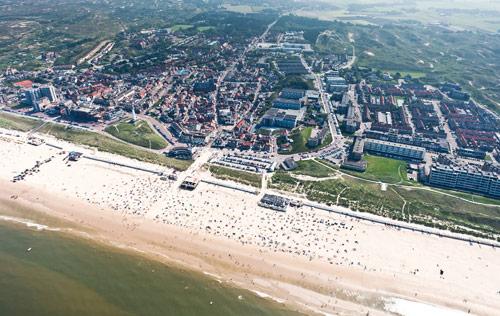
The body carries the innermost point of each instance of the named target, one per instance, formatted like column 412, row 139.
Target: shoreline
column 315, row 261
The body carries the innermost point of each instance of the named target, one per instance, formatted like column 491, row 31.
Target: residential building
column 357, row 149
column 276, row 118
column 465, row 177
column 287, row 104
column 295, row 94
column 394, row 150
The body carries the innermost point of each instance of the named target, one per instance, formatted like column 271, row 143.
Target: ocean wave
column 265, row 295
column 28, row 223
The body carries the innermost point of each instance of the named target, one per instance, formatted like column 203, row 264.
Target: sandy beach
column 310, row 259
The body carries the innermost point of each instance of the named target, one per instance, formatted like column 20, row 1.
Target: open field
column 471, row 197
column 300, row 138
column 326, row 141
column 92, row 139
column 181, row 27
column 243, row 177
column 243, row 8
column 138, row 133
column 313, row 169
column 413, row 74
column 204, row 28
column 382, row 169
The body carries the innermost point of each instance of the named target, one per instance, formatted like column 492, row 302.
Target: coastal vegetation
column 18, row 123
column 313, row 168
column 248, row 178
column 92, row 139
column 420, row 205
column 107, row 144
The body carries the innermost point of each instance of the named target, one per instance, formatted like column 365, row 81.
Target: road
column 230, row 69
column 449, row 136
column 163, row 130
column 351, row 62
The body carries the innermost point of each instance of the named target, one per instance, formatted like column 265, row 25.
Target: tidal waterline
column 53, row 273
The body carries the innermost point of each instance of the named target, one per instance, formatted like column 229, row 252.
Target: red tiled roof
column 24, row 84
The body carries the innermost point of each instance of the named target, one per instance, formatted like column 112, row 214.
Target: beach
column 309, row 259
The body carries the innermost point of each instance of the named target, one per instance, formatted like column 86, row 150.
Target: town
column 266, row 102
column 236, row 157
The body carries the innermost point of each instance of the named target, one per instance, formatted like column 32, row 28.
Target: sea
column 45, row 271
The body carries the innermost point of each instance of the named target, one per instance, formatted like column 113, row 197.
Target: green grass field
column 403, row 73
column 248, row 178
column 299, row 138
column 327, row 141
column 471, row 197
column 313, row 168
column 243, row 8
column 382, row 169
column 204, row 28
column 181, row 27
column 138, row 133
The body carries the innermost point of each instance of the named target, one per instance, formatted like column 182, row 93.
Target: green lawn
column 326, row 141
column 313, row 168
column 180, row 27
column 413, row 74
column 382, row 169
column 248, row 178
column 299, row 138
column 138, row 133
column 204, row 28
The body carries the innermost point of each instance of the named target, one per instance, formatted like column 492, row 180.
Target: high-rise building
column 48, row 92
column 33, row 96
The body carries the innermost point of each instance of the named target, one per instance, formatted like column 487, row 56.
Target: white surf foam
column 28, row 223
